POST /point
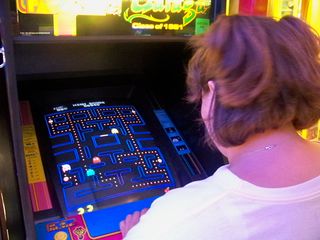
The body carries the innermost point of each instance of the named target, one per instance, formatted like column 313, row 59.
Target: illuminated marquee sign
column 143, row 16
column 148, row 10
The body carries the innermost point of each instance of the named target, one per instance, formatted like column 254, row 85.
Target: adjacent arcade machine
column 247, row 7
column 274, row 8
column 108, row 130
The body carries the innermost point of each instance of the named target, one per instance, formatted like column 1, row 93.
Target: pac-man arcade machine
column 99, row 124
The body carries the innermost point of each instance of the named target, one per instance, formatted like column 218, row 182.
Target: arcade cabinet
column 96, row 106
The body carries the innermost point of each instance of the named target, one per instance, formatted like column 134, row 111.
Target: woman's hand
column 130, row 221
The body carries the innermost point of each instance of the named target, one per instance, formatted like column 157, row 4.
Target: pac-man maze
column 103, row 153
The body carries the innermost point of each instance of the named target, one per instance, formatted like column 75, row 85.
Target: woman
column 258, row 81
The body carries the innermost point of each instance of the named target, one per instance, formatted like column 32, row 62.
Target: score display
column 103, row 17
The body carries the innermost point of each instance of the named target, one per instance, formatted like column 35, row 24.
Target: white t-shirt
column 224, row 207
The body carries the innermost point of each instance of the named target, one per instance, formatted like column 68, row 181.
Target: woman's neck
column 263, row 143
column 276, row 158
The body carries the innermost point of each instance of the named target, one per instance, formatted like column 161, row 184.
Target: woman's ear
column 211, row 86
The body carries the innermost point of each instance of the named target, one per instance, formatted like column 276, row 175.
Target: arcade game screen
column 103, row 152
column 120, row 17
column 92, row 161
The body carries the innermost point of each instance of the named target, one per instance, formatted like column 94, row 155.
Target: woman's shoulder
column 181, row 204
column 193, row 193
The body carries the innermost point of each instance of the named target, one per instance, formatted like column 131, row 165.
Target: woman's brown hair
column 266, row 74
